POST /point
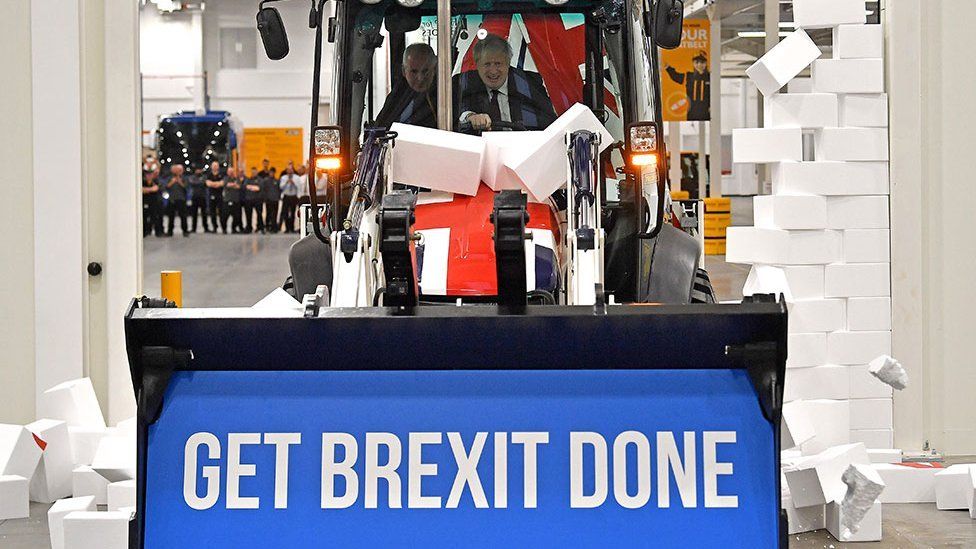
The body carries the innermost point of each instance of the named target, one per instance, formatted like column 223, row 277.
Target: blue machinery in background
column 563, row 426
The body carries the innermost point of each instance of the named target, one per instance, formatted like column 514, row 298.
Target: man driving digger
column 498, row 92
column 413, row 99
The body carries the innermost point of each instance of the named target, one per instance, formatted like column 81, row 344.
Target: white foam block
column 73, row 402
column 865, row 385
column 871, row 413
column 972, row 493
column 115, row 458
column 952, row 487
column 14, row 497
column 84, row 443
column 457, row 158
column 766, row 279
column 857, row 347
column 278, row 299
column 889, row 371
column 830, row 178
column 851, row 144
column 828, row 381
column 121, row 494
column 820, row 14
column 857, row 212
column 804, row 350
column 803, row 519
column 858, row 42
column 830, row 420
column 790, row 212
column 797, row 426
column 884, row 455
column 542, row 166
column 805, row 281
column 61, row 509
column 801, row 110
column 869, row 527
column 817, row 479
column 96, row 530
column 867, row 246
column 914, row 483
column 857, row 280
column 86, row 482
column 764, row 145
column 864, row 110
column 52, row 479
column 19, row 452
column 780, row 247
column 433, row 274
column 782, row 63
column 874, row 439
column 865, row 314
column 817, row 315
column 498, row 145
column 848, row 76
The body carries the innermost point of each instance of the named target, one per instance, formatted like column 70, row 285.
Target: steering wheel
column 466, row 127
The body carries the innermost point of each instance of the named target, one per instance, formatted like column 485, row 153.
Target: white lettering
column 643, row 494
column 418, row 470
column 387, row 472
column 530, row 464
column 577, row 499
column 331, row 468
column 281, row 441
column 684, row 470
column 210, row 472
column 467, row 474
column 501, row 470
column 713, row 468
column 236, row 470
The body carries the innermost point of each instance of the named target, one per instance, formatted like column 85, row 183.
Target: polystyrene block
column 858, row 42
column 542, row 166
column 880, row 439
column 868, row 529
column 780, row 247
column 817, row 479
column 864, row 110
column 497, row 146
column 972, row 493
column 86, row 482
column 804, row 350
column 14, row 497
column 782, row 63
column 61, row 509
column 73, row 402
column 830, row 178
column 857, row 212
column 797, row 425
column 817, row 315
column 766, row 279
column 52, row 478
column 889, row 371
column 278, row 299
column 790, row 212
column 871, row 413
column 865, row 385
column 867, row 246
column 115, row 458
column 84, row 443
column 121, row 494
column 952, row 487
column 884, row 455
column 848, row 76
column 857, row 347
column 831, row 420
column 805, row 281
column 19, row 451
column 764, row 145
column 832, row 382
column 820, row 14
column 866, row 314
column 907, row 483
column 857, row 280
column 803, row 519
column 801, row 110
column 851, row 144
column 437, row 159
column 96, row 530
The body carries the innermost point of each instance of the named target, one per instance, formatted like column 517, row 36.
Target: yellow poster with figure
column 686, row 78
column 279, row 145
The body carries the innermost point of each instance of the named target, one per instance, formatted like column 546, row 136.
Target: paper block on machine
column 858, row 42
column 830, row 178
column 498, row 145
column 61, row 509
column 73, row 402
column 765, row 145
column 457, row 157
column 848, row 76
column 820, row 14
column 783, row 62
column 14, row 497
column 52, row 478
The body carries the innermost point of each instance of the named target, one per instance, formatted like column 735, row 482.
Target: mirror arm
column 315, row 17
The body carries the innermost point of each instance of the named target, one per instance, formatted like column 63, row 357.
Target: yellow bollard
column 171, row 286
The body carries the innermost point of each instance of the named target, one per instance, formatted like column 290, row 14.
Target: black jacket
column 528, row 100
column 408, row 107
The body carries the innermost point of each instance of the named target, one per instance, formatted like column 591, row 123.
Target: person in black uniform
column 414, row 97
column 177, row 188
column 698, row 86
column 198, row 200
column 152, row 215
column 271, row 195
column 252, row 201
column 231, row 207
column 215, row 184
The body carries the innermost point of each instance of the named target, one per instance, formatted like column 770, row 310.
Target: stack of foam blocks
column 72, row 459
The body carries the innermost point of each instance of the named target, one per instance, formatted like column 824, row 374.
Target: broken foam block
column 889, row 371
column 869, row 526
column 864, row 485
column 456, row 156
column 782, row 63
column 953, row 487
column 121, row 494
column 14, row 497
column 817, row 479
column 52, row 478
column 96, row 530
column 20, row 451
column 86, row 482
column 61, row 509
column 73, row 402
column 908, row 482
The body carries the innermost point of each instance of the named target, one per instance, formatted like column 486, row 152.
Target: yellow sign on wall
column 686, row 79
column 279, row 145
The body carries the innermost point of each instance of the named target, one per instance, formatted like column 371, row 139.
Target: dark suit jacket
column 408, row 107
column 528, row 99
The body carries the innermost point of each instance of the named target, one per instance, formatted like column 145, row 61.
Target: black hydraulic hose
column 316, row 76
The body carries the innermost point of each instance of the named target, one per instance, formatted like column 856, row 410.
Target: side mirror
column 668, row 17
column 273, row 33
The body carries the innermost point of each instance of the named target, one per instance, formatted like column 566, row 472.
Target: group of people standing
column 221, row 199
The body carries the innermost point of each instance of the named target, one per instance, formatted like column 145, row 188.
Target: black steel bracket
column 397, row 247
column 760, row 360
column 510, row 216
